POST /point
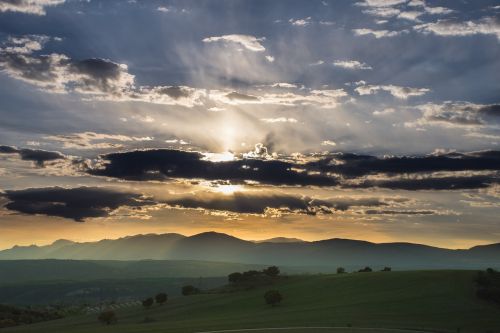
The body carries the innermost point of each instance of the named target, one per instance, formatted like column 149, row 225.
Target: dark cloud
column 38, row 156
column 58, row 72
column 490, row 110
column 242, row 97
column 97, row 73
column 432, row 183
column 175, row 92
column 343, row 169
column 399, row 212
column 247, row 203
column 75, row 203
column 352, row 165
column 161, row 164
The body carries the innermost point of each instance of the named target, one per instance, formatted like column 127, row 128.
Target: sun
column 228, row 189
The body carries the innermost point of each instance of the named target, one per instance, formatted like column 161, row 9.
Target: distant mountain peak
column 281, row 240
column 62, row 242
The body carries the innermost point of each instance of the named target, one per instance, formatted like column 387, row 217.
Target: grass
column 426, row 300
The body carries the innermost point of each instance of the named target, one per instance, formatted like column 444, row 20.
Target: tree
column 365, row 270
column 235, row 277
column 273, row 297
column 386, row 269
column 249, row 275
column 161, row 298
column 107, row 317
column 272, row 271
column 340, row 270
column 148, row 302
column 190, row 290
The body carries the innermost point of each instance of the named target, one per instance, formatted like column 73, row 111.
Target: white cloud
column 269, row 58
column 36, row 7
column 301, row 22
column 163, row 9
column 92, row 140
column 384, row 112
column 380, row 3
column 351, row 64
column 317, row 63
column 378, row 33
column 279, row 120
column 486, row 26
column 249, row 42
column 455, row 114
column 396, row 91
column 328, row 143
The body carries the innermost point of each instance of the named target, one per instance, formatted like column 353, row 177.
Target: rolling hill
column 437, row 301
column 211, row 246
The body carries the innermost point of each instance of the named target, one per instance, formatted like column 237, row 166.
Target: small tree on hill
column 273, row 297
column 386, row 269
column 161, row 298
column 340, row 270
column 248, row 275
column 365, row 270
column 148, row 302
column 272, row 271
column 190, row 290
column 107, row 317
column 235, row 277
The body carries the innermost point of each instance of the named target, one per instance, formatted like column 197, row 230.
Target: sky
column 372, row 119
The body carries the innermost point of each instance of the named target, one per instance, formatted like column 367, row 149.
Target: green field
column 423, row 300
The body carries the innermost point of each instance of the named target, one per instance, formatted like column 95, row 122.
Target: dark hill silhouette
column 212, row 246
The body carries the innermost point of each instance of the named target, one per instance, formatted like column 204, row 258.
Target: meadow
column 429, row 301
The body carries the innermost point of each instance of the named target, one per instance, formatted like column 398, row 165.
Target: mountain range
column 212, row 246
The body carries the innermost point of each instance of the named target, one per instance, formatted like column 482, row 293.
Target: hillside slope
column 433, row 300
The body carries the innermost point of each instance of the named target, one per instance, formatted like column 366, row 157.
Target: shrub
column 272, row 271
column 190, row 290
column 235, row 277
column 161, row 298
column 386, row 269
column 107, row 317
column 273, row 297
column 148, row 302
column 340, row 270
column 365, row 270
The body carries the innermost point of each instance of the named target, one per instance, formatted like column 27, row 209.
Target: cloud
column 279, row 120
column 300, row 22
column 242, row 97
column 432, row 183
column 269, row 58
column 73, row 203
column 163, row 164
column 105, row 80
column 58, row 73
column 353, row 165
column 378, row 33
column 384, row 112
column 95, row 78
column 249, row 42
column 276, row 204
column 329, row 143
column 92, row 140
column 452, row 27
column 396, row 91
column 351, row 64
column 457, row 114
column 36, row 7
column 38, row 156
column 430, row 10
column 163, row 9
